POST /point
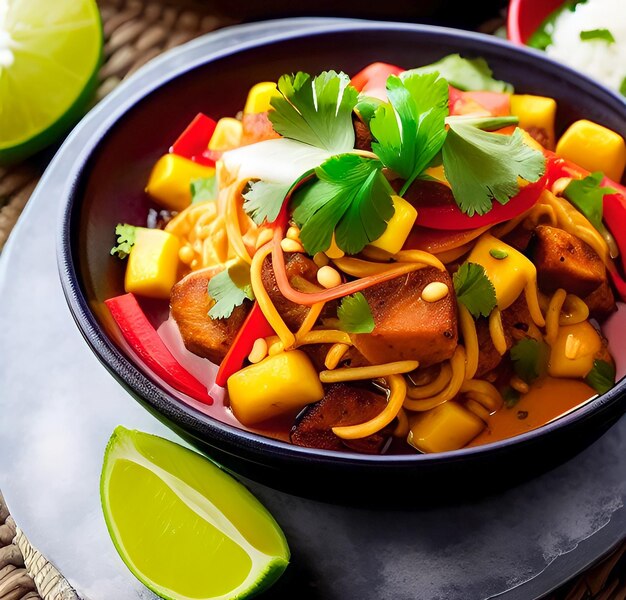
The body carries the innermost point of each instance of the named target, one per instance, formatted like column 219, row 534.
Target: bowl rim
column 198, row 424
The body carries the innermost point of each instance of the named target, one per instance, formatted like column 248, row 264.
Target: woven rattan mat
column 136, row 31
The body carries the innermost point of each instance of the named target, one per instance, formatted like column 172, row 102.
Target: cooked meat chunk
column 297, row 265
column 363, row 137
column 488, row 357
column 564, row 261
column 190, row 304
column 519, row 238
column 341, row 405
column 407, row 327
column 601, row 302
column 256, row 128
column 539, row 134
column 317, row 353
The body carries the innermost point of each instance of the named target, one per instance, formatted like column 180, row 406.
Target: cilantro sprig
column 316, row 111
column 229, row 288
column 355, row 315
column 597, row 34
column 530, row 359
column 203, row 189
column 125, row 240
column 474, row 289
column 602, row 376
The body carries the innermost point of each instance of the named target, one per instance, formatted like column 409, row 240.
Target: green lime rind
column 12, row 153
column 183, row 526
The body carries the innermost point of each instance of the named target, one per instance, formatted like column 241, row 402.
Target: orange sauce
column 547, row 399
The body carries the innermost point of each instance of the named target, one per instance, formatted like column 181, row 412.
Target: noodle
column 478, row 409
column 372, row 372
column 402, row 428
column 232, row 221
column 470, row 339
column 356, row 267
column 484, row 392
column 496, row 330
column 428, row 390
column 334, row 355
column 577, row 311
column 553, row 315
column 309, row 321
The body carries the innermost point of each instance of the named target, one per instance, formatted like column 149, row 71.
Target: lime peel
column 169, row 485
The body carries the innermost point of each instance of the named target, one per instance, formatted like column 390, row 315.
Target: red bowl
column 525, row 16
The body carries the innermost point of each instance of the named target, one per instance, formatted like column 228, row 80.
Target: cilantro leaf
column 264, row 200
column 480, row 165
column 366, row 108
column 351, row 198
column 204, row 188
column 597, row 34
column 530, row 359
column 229, row 288
column 510, row 396
column 355, row 315
column 474, row 289
column 468, row 74
column 411, row 130
column 125, row 240
column 587, row 195
column 316, row 111
column 602, row 376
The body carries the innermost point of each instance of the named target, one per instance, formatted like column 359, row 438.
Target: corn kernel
column 290, row 245
column 434, row 291
column 398, row 227
column 186, row 254
column 259, row 97
column 328, row 277
column 594, row 148
column 519, row 385
column 293, row 233
column 258, row 352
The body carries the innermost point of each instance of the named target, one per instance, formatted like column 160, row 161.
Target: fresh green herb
column 510, row 396
column 530, row 359
column 264, row 200
column 587, row 196
column 411, row 130
column 125, row 240
column 474, row 289
column 469, row 74
column 355, row 315
column 498, row 254
column 481, row 165
column 316, row 111
column 540, row 39
column 622, row 87
column 366, row 108
column 602, row 376
column 204, row 188
column 351, row 198
column 597, row 34
column 229, row 288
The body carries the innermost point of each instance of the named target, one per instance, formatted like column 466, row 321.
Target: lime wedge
column 184, row 527
column 50, row 51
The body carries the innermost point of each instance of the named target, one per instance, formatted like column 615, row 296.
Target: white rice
column 597, row 58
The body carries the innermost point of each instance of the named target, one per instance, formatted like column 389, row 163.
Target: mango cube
column 535, row 112
column 169, row 183
column 573, row 352
column 259, row 97
column 152, row 263
column 283, row 383
column 446, row 427
column 227, row 135
column 594, row 148
column 398, row 228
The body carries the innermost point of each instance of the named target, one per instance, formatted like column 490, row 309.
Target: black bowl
column 107, row 188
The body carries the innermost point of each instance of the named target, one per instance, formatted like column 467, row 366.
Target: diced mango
column 535, row 112
column 573, row 352
column 509, row 275
column 285, row 382
column 594, row 148
column 398, row 227
column 152, row 263
column 446, row 427
column 227, row 135
column 259, row 97
column 529, row 140
column 169, row 183
column 438, row 174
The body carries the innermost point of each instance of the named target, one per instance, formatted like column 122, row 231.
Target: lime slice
column 184, row 527
column 50, row 51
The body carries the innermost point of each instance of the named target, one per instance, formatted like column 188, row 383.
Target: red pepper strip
column 194, row 141
column 462, row 103
column 146, row 343
column 374, row 76
column 255, row 326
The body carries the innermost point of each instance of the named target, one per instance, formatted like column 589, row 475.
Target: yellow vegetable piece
column 259, row 97
column 398, row 227
column 509, row 275
column 446, row 427
column 533, row 143
column 438, row 174
column 285, row 382
column 152, row 263
column 594, row 148
column 334, row 251
column 170, row 181
column 573, row 352
column 227, row 135
column 535, row 112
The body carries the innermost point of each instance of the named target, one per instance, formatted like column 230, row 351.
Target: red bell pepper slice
column 194, row 141
column 146, row 343
column 255, row 326
column 374, row 76
column 495, row 103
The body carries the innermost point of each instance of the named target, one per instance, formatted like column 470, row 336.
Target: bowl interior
column 110, row 184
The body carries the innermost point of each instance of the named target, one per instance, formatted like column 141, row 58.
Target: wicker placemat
column 136, row 31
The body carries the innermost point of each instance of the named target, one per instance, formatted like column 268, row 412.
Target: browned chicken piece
column 341, row 405
column 519, row 238
column 317, row 353
column 488, row 357
column 407, row 327
column 564, row 261
column 297, row 265
column 601, row 302
column 256, row 128
column 190, row 304
column 363, row 137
